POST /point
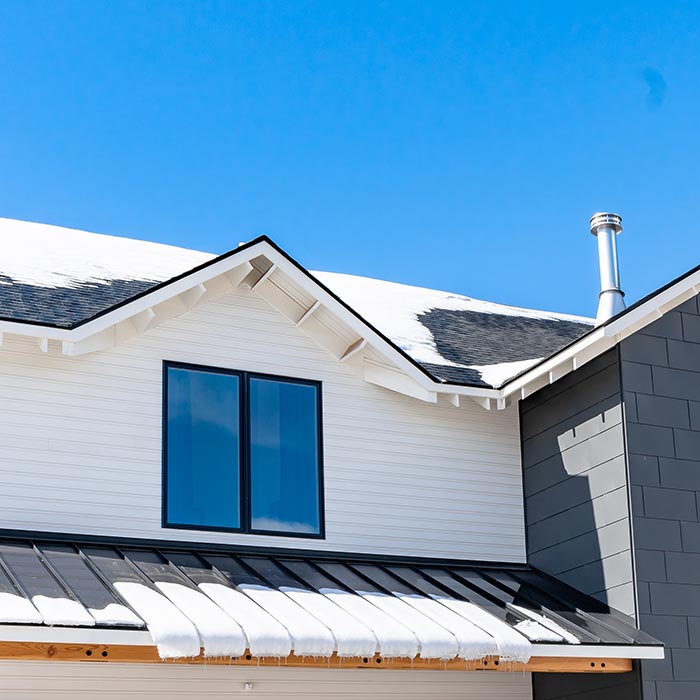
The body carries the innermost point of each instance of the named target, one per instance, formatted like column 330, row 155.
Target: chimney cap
column 605, row 219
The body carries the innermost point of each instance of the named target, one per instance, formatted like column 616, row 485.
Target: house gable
column 83, row 438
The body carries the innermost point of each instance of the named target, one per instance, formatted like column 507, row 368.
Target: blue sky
column 458, row 145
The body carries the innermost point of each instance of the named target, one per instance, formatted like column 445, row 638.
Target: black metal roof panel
column 195, row 585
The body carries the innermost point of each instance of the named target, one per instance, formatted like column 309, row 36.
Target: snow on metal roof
column 60, row 277
column 229, row 600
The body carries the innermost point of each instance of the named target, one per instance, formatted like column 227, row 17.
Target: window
column 241, row 452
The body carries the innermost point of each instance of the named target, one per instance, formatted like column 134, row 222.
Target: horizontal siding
column 575, row 483
column 66, row 681
column 81, row 441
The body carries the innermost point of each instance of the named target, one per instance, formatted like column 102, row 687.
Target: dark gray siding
column 661, row 390
column 575, row 482
column 577, row 505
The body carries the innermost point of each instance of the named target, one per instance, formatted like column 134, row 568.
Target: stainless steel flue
column 605, row 227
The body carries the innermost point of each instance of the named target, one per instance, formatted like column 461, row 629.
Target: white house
column 227, row 475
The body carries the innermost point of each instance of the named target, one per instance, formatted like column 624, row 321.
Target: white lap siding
column 81, row 443
column 34, row 680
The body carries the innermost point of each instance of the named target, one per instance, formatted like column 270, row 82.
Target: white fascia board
column 74, row 635
column 605, row 337
column 139, row 305
column 553, row 362
column 604, row 651
column 378, row 343
column 656, row 307
column 92, row 635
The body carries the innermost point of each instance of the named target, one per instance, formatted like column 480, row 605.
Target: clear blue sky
column 459, row 145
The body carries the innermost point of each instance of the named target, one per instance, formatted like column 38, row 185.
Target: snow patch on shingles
column 498, row 374
column 173, row 633
column 309, row 636
column 535, row 632
column 394, row 309
column 352, row 637
column 53, row 256
column 546, row 622
column 115, row 614
column 17, row 609
column 473, row 642
column 266, row 636
column 435, row 641
column 62, row 611
column 512, row 646
column 220, row 634
column 395, row 639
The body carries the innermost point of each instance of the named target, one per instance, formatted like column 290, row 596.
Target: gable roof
column 63, row 278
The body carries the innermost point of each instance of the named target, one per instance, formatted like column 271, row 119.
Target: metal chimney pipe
column 605, row 227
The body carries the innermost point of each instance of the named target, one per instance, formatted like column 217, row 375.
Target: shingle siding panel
column 659, row 410
column 678, row 383
column 670, row 629
column 687, row 444
column 693, row 632
column 637, row 377
column 644, row 470
column 675, row 690
column 567, row 494
column 690, row 534
column 650, row 533
column 670, row 504
column 679, row 473
column 651, row 565
column 584, row 549
column 646, row 348
column 575, row 482
column 661, row 453
column 588, row 517
column 668, row 326
column 686, row 664
column 683, row 567
column 684, row 355
column 674, row 599
column 651, row 440
column 691, row 328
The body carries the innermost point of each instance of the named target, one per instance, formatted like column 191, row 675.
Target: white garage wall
column 37, row 680
column 81, row 443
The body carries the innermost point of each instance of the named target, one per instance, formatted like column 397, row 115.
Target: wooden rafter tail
column 46, row 651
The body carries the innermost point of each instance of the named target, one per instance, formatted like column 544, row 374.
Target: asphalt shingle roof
column 60, row 277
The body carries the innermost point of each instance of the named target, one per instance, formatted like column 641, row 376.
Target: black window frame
column 245, row 509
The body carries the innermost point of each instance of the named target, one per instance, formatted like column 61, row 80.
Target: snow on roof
column 58, row 276
column 53, row 256
column 410, row 317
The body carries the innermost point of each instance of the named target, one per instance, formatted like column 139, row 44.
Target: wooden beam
column 144, row 320
column 238, row 274
column 46, row 651
column 352, row 350
column 264, row 276
column 104, row 340
column 190, row 297
column 308, row 313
